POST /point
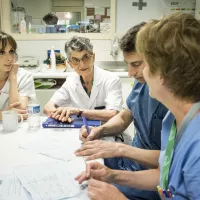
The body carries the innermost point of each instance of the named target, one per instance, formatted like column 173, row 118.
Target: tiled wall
column 39, row 48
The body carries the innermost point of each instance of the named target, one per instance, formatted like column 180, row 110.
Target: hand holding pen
column 86, row 124
column 94, row 133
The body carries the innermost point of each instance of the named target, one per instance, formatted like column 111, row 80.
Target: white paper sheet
column 11, row 189
column 57, row 144
column 51, row 181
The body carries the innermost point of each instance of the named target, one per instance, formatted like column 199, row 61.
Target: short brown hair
column 171, row 46
column 128, row 41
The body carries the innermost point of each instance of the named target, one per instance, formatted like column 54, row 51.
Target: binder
column 77, row 123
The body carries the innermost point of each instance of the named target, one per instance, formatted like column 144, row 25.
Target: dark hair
column 50, row 19
column 128, row 41
column 6, row 38
column 78, row 44
column 171, row 47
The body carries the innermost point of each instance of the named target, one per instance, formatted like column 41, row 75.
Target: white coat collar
column 97, row 80
column 97, row 77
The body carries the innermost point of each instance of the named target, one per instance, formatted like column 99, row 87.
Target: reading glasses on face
column 76, row 61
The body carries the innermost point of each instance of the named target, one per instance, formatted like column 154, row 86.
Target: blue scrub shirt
column 147, row 115
column 184, row 174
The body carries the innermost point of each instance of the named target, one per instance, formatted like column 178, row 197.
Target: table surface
column 11, row 155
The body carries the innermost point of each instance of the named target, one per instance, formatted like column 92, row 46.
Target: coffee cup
column 10, row 120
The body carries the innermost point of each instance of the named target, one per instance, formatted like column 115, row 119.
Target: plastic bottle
column 52, row 59
column 33, row 114
column 23, row 26
column 29, row 28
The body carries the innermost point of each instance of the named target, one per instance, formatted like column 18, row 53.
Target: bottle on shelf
column 23, row 26
column 33, row 110
column 53, row 59
column 29, row 28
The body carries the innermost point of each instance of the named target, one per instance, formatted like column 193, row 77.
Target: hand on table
column 99, row 149
column 63, row 113
column 98, row 190
column 97, row 171
column 22, row 112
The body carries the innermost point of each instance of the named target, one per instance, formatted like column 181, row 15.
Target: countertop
column 59, row 73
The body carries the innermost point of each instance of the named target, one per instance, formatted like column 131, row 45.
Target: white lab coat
column 106, row 91
column 25, row 88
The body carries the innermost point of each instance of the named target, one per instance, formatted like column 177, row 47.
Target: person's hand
column 98, row 190
column 99, row 149
column 13, row 71
column 95, row 133
column 97, row 171
column 63, row 113
column 22, row 112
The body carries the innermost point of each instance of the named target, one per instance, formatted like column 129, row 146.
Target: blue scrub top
column 184, row 174
column 147, row 114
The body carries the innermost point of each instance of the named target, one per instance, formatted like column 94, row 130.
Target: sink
column 112, row 66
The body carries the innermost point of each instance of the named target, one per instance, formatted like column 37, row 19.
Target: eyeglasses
column 76, row 61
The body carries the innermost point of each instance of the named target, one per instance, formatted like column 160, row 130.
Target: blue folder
column 77, row 123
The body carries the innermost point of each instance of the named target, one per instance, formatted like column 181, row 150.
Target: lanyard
column 173, row 141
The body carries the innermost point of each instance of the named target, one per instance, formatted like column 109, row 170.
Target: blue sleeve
column 191, row 171
column 130, row 97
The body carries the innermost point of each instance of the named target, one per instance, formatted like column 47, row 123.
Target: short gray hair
column 78, row 44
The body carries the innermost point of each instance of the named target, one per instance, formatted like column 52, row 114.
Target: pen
column 86, row 124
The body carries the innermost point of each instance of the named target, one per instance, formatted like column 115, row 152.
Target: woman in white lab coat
column 16, row 85
column 92, row 92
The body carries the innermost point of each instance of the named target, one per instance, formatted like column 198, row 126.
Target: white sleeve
column 61, row 97
column 26, row 86
column 114, row 94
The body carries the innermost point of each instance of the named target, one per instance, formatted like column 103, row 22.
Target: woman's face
column 7, row 57
column 154, row 82
column 82, row 62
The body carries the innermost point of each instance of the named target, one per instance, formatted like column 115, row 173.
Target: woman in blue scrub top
column 171, row 50
column 172, row 73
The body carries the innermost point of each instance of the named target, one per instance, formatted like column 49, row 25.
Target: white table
column 11, row 155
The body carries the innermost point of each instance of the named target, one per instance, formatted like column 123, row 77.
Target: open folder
column 76, row 123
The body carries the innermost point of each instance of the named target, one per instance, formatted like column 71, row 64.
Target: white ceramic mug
column 10, row 120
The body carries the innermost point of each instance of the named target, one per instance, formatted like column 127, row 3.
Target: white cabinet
column 127, row 85
column 44, row 95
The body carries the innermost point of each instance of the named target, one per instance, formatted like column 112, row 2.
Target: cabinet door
column 127, row 85
column 44, row 95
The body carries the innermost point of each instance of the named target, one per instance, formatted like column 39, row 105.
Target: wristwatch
column 80, row 112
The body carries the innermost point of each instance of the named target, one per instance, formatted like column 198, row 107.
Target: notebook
column 77, row 123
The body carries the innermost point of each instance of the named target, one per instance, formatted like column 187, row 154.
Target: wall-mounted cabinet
column 74, row 18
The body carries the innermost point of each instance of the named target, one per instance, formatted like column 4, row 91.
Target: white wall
column 39, row 48
column 32, row 8
column 128, row 15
